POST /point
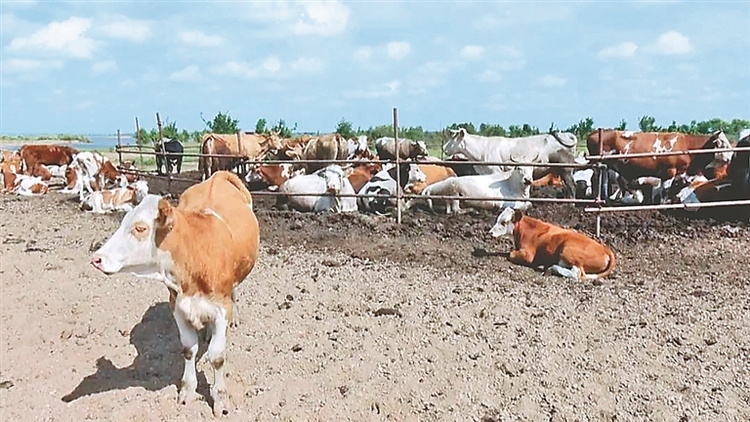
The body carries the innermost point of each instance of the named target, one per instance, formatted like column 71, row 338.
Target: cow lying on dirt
column 559, row 251
column 201, row 250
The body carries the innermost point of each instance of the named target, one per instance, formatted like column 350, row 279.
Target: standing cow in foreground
column 559, row 251
column 202, row 249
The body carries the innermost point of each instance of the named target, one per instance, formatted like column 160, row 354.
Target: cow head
column 505, row 222
column 334, row 177
column 416, row 175
column 133, row 247
column 420, row 148
column 719, row 140
column 456, row 143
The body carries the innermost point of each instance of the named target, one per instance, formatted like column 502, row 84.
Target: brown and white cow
column 272, row 175
column 664, row 167
column 58, row 155
column 560, row 251
column 118, row 199
column 202, row 249
column 253, row 146
column 360, row 174
column 332, row 146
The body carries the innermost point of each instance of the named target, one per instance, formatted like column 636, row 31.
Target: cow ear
column 517, row 215
column 165, row 214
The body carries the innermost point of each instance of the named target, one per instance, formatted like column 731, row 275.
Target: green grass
column 48, row 137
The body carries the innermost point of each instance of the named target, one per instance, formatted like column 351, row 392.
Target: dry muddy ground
column 349, row 317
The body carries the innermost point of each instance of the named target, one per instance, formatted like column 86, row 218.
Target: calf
column 202, row 249
column 168, row 162
column 324, row 185
column 119, row 199
column 29, row 185
column 558, row 251
column 513, row 184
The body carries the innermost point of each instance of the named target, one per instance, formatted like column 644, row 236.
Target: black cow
column 168, row 161
column 739, row 170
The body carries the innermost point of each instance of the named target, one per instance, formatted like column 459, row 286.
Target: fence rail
column 595, row 162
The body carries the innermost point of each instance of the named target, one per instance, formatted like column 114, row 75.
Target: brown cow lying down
column 559, row 251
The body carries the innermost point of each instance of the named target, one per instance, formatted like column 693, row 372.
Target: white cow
column 384, row 184
column 513, row 184
column 546, row 148
column 326, row 183
column 56, row 171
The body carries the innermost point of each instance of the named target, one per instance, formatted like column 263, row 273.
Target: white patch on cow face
column 422, row 146
column 132, row 247
column 334, row 177
column 504, row 223
column 416, row 175
column 722, row 142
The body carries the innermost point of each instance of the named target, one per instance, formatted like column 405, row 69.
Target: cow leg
column 559, row 269
column 179, row 165
column 520, row 256
column 216, row 356
column 569, row 185
column 189, row 340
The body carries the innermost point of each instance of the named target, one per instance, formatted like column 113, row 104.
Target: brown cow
column 664, row 167
column 41, row 171
column 326, row 147
column 252, row 146
column 362, row 173
column 202, row 249
column 59, row 155
column 560, row 251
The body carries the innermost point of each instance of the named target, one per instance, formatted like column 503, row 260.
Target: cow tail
column 608, row 270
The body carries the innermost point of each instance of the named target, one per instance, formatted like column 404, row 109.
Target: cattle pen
column 596, row 206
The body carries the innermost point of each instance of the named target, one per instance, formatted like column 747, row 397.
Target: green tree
column 283, row 130
column 486, row 129
column 622, row 126
column 260, row 126
column 344, row 128
column 648, row 124
column 582, row 129
column 468, row 126
column 222, row 123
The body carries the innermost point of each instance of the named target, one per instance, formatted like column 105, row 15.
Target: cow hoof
column 220, row 403
column 186, row 397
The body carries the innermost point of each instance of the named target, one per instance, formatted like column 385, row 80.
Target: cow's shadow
column 158, row 363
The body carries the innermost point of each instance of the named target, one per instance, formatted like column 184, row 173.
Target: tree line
column 224, row 123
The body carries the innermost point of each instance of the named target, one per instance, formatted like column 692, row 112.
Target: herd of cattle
column 306, row 182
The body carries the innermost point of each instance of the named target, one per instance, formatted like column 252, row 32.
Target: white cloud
column 122, row 27
column 189, row 74
column 429, row 75
column 621, row 51
column 104, row 66
column 472, row 52
column 673, row 43
column 271, row 64
column 490, row 75
column 383, row 90
column 66, row 37
column 199, row 39
column 322, row 18
column 363, row 54
column 397, row 50
column 551, row 81
column 308, row 65
column 28, row 65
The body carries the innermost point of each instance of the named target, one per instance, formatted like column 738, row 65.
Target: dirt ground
column 349, row 317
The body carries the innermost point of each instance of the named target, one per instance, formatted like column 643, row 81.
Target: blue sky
column 91, row 67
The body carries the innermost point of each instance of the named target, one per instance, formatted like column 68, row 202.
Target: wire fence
column 594, row 162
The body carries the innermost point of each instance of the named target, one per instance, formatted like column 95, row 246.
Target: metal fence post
column 397, row 144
